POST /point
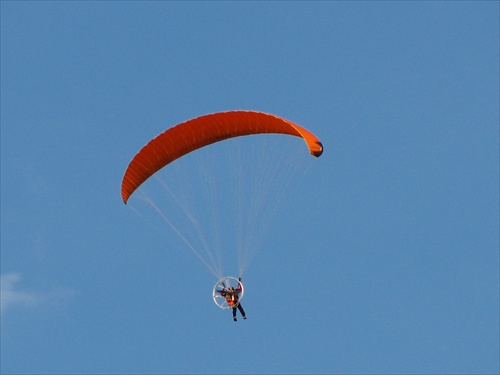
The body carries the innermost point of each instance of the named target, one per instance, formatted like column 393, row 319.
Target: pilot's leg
column 242, row 311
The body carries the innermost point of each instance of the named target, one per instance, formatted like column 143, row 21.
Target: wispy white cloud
column 12, row 296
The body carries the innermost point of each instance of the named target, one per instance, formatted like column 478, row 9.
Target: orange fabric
column 201, row 131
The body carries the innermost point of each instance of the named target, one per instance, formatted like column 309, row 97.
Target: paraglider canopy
column 202, row 131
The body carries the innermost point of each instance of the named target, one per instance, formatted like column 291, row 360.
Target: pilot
column 232, row 298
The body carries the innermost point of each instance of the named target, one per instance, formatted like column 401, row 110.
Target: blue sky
column 385, row 259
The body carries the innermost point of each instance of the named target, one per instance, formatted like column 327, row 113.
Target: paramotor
column 195, row 134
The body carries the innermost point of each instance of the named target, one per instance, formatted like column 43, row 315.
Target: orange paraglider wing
column 202, row 131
